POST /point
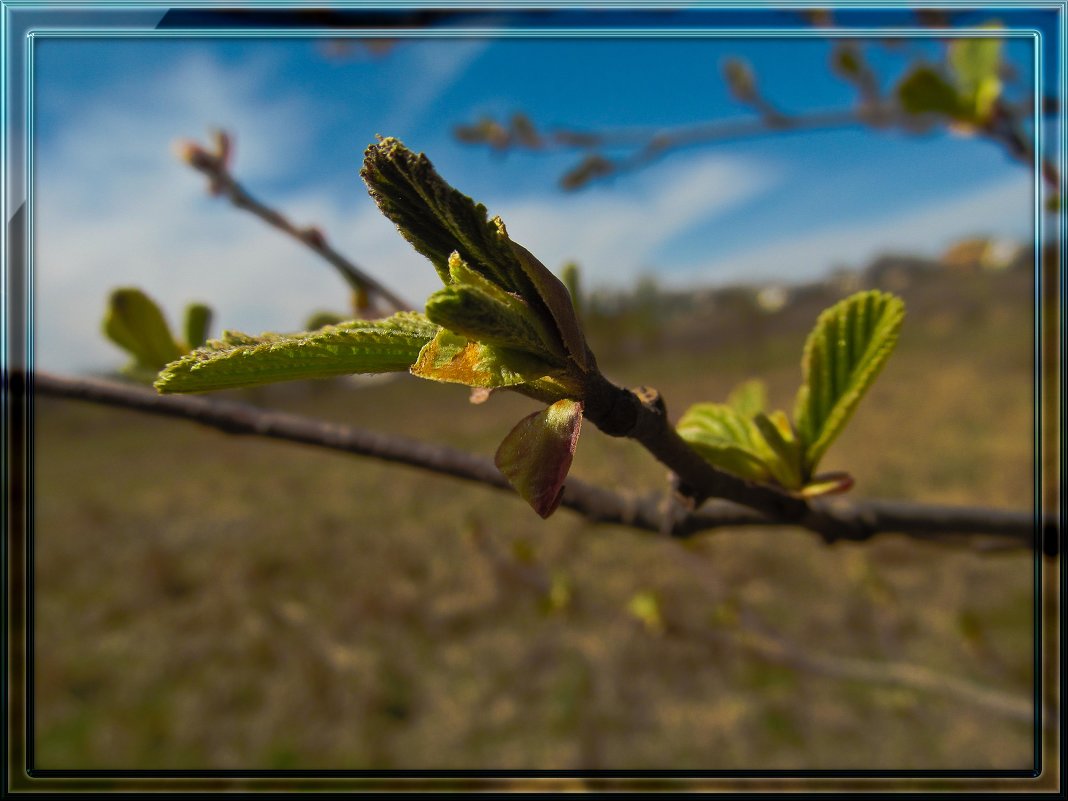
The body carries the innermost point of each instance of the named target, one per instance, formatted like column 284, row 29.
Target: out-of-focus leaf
column 748, row 398
column 197, row 323
column 975, row 64
column 786, row 467
column 536, row 455
column 135, row 323
column 572, row 279
column 843, row 355
column 240, row 360
column 322, row 319
column 645, row 608
column 456, row 359
column 926, row 91
column 827, row 484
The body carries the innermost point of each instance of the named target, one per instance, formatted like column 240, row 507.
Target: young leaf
column 197, row 322
column 926, row 91
column 776, row 431
column 437, row 219
column 843, row 355
column 135, row 323
column 440, row 221
column 240, row 360
column 975, row 62
column 454, row 358
column 726, row 439
column 748, row 398
column 536, row 455
column 479, row 309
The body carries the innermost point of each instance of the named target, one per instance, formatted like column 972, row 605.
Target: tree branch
column 222, row 182
column 859, row 520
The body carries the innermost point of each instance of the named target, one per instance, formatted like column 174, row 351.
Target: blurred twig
column 857, row 521
column 215, row 165
column 778, row 650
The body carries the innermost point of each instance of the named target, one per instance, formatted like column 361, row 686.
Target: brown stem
column 861, row 520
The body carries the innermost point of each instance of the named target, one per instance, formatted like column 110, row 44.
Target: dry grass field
column 205, row 601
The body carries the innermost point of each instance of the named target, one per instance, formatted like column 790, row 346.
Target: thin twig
column 862, row 520
column 215, row 166
column 650, row 144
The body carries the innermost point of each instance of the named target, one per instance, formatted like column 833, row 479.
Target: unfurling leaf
column 827, row 484
column 455, row 359
column 197, row 322
column 726, row 439
column 843, row 355
column 496, row 293
column 536, row 455
column 135, row 323
column 240, row 360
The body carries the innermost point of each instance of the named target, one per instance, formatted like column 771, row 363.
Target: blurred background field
column 205, row 601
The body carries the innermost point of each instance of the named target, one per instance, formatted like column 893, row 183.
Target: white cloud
column 114, row 207
column 1002, row 209
column 430, row 67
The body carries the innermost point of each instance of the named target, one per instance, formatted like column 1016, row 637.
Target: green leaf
column 974, row 63
column 726, row 439
column 748, row 398
column 926, row 91
column 437, row 219
column 440, row 221
column 536, row 455
column 359, row 346
column 197, row 322
column 480, row 310
column 135, row 323
column 786, row 466
column 843, row 355
column 454, row 358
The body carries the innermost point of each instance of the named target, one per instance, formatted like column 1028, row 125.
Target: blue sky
column 114, row 207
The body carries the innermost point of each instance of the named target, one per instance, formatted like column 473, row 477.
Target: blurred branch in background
column 215, row 164
column 963, row 94
column 862, row 520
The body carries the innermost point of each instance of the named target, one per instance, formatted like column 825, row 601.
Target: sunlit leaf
column 536, row 455
column 453, row 358
column 240, row 360
column 135, row 323
column 436, row 218
column 726, row 439
column 843, row 355
column 480, row 310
